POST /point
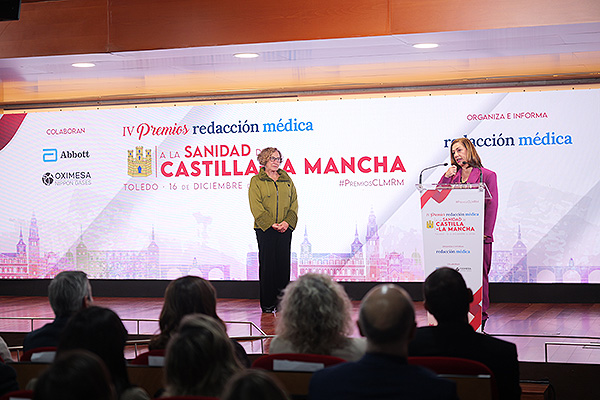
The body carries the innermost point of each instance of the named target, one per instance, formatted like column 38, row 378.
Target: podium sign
column 452, row 222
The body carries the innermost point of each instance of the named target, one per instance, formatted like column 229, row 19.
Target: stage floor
column 575, row 328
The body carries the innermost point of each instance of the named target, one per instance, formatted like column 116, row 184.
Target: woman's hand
column 451, row 171
column 281, row 227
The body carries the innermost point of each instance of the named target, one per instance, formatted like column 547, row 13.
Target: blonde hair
column 315, row 315
column 265, row 154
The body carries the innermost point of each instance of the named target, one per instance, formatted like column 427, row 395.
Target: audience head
column 251, row 384
column 387, row 319
column 75, row 375
column 199, row 358
column 315, row 315
column 447, row 297
column 184, row 296
column 69, row 292
column 100, row 331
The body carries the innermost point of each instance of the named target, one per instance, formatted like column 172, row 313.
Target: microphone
column 425, row 169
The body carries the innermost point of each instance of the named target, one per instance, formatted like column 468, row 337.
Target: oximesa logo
column 47, row 179
column 77, row 178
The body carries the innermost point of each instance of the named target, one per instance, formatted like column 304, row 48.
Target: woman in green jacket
column 274, row 205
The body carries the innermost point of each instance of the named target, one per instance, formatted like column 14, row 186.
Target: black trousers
column 274, row 255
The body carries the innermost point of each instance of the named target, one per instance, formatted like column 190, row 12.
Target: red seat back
column 189, row 398
column 266, row 361
column 26, row 356
column 143, row 358
column 455, row 366
column 18, row 394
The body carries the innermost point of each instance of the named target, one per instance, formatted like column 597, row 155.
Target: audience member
column 101, row 331
column 447, row 298
column 315, row 318
column 4, row 351
column 8, row 379
column 75, row 375
column 252, row 384
column 387, row 319
column 69, row 292
column 199, row 359
column 184, row 296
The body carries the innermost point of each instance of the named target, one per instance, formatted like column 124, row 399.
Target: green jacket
column 273, row 202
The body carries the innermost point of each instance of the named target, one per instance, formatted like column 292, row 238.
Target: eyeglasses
column 275, row 159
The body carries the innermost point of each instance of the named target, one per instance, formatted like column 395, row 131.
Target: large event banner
column 452, row 222
column 159, row 192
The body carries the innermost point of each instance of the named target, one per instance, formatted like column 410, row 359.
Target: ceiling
column 557, row 54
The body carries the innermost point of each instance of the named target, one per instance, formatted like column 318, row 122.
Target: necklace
column 464, row 180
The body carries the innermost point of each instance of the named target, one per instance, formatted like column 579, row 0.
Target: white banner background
column 548, row 193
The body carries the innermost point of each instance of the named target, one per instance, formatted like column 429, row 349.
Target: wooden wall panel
column 192, row 23
column 95, row 26
column 418, row 16
column 56, row 28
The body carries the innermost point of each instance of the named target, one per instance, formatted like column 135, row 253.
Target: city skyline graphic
column 365, row 262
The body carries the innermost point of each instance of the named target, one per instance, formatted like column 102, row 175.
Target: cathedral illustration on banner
column 364, row 262
column 98, row 264
column 29, row 262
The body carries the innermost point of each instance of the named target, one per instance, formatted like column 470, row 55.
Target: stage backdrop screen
column 160, row 192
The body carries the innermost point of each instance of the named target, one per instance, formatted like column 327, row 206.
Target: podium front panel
column 452, row 220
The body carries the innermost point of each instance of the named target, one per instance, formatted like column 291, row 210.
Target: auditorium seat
column 472, row 387
column 39, row 354
column 294, row 370
column 151, row 379
column 26, row 371
column 155, row 358
column 188, row 398
column 295, row 362
column 18, row 395
column 471, row 377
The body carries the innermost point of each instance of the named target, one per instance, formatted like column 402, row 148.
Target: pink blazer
column 491, row 205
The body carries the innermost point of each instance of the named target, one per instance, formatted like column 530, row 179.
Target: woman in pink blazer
column 467, row 168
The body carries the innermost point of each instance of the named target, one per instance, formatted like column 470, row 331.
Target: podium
column 452, row 222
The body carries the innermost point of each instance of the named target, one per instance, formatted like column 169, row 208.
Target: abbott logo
column 50, row 155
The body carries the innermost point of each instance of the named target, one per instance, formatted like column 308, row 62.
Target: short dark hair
column 101, row 331
column 74, row 375
column 446, row 294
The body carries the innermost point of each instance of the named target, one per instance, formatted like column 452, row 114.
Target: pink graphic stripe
column 9, row 125
column 475, row 309
column 437, row 195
